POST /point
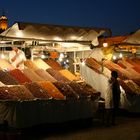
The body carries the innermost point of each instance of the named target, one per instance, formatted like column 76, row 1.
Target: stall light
column 2, row 42
column 61, row 55
column 42, row 38
column 53, row 44
column 105, row 44
column 58, row 38
column 114, row 57
column 60, row 59
column 43, row 56
column 67, row 61
column 73, row 37
column 2, row 56
column 65, row 54
column 120, row 55
column 83, row 63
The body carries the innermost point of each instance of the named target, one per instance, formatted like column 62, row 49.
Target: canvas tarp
column 21, row 31
column 22, row 114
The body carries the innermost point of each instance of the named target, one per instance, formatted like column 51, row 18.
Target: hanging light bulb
column 60, row 59
column 120, row 55
column 114, row 57
column 43, row 56
column 67, row 61
column 61, row 55
column 83, row 63
column 105, row 44
column 2, row 56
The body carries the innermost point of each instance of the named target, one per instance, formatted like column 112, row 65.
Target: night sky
column 121, row 16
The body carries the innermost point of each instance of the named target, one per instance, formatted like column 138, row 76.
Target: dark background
column 121, row 16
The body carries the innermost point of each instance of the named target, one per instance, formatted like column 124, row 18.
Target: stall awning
column 133, row 39
column 54, row 33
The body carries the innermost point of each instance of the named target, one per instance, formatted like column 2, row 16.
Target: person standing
column 17, row 58
column 112, row 99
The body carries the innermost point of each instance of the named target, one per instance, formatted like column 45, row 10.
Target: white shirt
column 20, row 57
column 109, row 96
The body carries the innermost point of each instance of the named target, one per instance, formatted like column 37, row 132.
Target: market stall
column 116, row 55
column 45, row 92
column 22, row 90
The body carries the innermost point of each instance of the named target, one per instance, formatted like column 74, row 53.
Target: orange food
column 68, row 75
column 16, row 73
column 51, row 89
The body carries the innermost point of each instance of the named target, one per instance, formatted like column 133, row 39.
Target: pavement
column 127, row 128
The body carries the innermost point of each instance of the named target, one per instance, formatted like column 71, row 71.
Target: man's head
column 15, row 48
column 114, row 74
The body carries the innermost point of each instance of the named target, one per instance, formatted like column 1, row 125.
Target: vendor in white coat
column 17, row 58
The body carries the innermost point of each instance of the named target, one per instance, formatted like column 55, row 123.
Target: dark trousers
column 111, row 115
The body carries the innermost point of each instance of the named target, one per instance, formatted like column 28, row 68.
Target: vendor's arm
column 13, row 56
column 22, row 55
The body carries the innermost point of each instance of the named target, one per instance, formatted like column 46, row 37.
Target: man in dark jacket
column 116, row 95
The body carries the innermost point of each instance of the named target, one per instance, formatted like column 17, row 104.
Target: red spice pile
column 16, row 73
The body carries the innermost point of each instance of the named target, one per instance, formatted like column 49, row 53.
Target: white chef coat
column 21, row 57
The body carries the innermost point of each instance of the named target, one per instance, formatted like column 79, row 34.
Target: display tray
column 22, row 114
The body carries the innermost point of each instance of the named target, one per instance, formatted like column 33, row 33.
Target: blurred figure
column 112, row 100
column 17, row 58
column 27, row 53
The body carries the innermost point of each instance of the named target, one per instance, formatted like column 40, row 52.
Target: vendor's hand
column 22, row 62
column 14, row 58
column 18, row 65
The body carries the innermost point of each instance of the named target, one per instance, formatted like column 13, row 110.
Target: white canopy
column 133, row 39
column 54, row 33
